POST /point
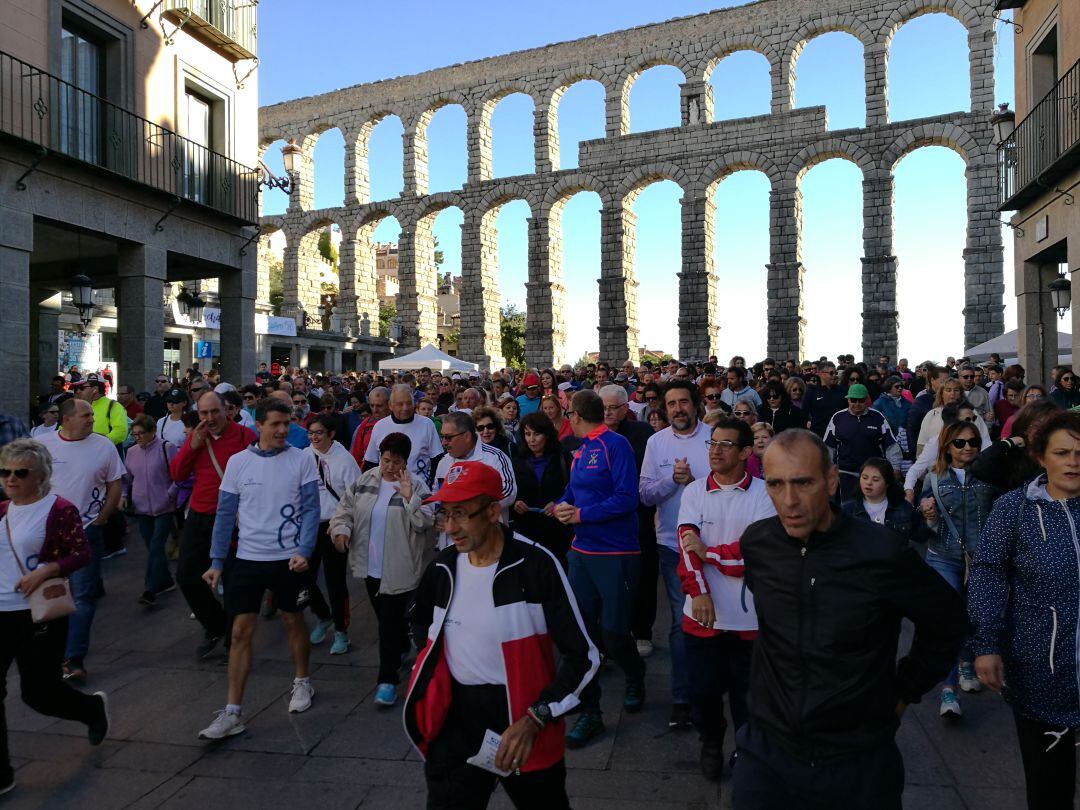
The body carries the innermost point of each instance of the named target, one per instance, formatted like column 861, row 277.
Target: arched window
column 930, row 51
column 447, row 149
column 512, row 136
column 830, row 72
column 581, row 115
column 930, row 216
column 832, row 250
column 512, row 224
column 386, row 159
column 655, row 97
column 741, row 86
column 329, row 160
column 578, row 222
column 740, row 255
column 657, row 263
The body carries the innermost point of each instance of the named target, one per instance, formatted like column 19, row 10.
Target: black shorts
column 249, row 579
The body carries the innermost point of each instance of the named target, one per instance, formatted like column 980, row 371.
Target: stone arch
column 569, row 185
column 480, row 133
column 435, row 203
column 949, row 135
column 726, row 165
column 548, row 113
column 417, row 169
column 729, row 45
column 502, row 193
column 828, row 149
column 959, row 10
column 618, row 103
column 784, row 84
column 357, row 165
column 646, row 175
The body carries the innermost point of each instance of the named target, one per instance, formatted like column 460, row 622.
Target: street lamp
column 1004, row 123
column 82, row 296
column 1060, row 294
column 191, row 305
column 289, row 154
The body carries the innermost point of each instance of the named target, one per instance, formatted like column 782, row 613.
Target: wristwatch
column 540, row 713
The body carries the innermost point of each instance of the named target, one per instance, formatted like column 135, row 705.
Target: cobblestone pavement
column 346, row 753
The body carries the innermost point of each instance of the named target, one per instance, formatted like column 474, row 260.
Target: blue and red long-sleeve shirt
column 604, row 487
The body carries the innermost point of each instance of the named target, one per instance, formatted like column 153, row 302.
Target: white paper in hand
column 485, row 757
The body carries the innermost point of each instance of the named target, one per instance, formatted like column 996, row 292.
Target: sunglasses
column 249, row 396
column 960, row 444
column 486, row 426
column 449, row 437
column 20, row 473
column 1065, row 379
column 710, row 397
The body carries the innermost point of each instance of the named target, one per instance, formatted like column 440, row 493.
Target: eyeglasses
column 197, row 390
column 653, row 398
column 710, row 397
column 486, row 426
column 299, row 402
column 1034, row 395
column 162, row 382
column 740, row 413
column 449, row 437
column 967, row 376
column 613, row 408
column 960, row 444
column 722, row 444
column 249, row 396
column 316, row 433
column 772, row 395
column 459, row 516
column 20, row 473
column 1066, row 379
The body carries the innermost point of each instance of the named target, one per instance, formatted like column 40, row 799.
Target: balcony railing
column 1044, row 146
column 48, row 112
column 228, row 25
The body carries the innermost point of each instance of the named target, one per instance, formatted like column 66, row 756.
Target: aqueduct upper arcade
column 697, row 155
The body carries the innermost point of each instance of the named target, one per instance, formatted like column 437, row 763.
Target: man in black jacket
column 823, row 401
column 827, row 692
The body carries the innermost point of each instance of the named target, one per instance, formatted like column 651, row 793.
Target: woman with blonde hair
column 950, row 391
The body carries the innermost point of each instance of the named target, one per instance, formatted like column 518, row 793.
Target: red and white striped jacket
column 536, row 613
column 719, row 515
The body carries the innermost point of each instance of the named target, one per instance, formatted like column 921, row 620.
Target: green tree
column 275, row 268
column 513, row 335
column 327, row 249
column 387, row 313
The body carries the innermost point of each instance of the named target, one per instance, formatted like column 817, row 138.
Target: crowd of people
column 514, row 530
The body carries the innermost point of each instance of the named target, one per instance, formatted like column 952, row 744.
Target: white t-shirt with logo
column 377, row 528
column 27, row 525
column 421, row 432
column 470, row 630
column 82, row 470
column 269, row 492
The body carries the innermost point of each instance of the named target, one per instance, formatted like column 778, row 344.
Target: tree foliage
column 387, row 313
column 513, row 335
column 327, row 249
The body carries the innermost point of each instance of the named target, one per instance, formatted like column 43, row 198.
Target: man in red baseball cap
column 476, row 661
column 529, row 399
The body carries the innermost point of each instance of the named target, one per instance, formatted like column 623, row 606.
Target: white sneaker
column 950, row 705
column 302, row 693
column 225, row 725
column 644, row 647
column 969, row 681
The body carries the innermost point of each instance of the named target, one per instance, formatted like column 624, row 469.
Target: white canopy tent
column 427, row 357
column 1008, row 346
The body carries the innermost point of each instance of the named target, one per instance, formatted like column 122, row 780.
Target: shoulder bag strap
column 14, row 553
column 941, row 510
column 323, row 477
column 213, row 458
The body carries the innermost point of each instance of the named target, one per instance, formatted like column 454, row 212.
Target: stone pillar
column 290, row 280
column 545, row 323
column 16, row 243
column 334, row 361
column 618, row 288
column 478, row 138
column 696, row 103
column 782, row 78
column 545, row 138
column 357, row 187
column 365, row 305
column 140, row 323
column 785, row 274
column 877, row 81
column 347, row 303
column 481, row 334
column 415, row 149
column 417, row 303
column 237, row 294
column 981, row 39
column 879, row 316
column 302, row 193
column 617, row 111
column 1037, row 321
column 262, row 295
column 984, row 280
column 699, row 331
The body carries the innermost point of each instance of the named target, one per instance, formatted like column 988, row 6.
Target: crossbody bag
column 952, row 526
column 51, row 599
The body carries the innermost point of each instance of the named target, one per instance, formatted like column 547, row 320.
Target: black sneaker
column 148, row 598
column 634, row 698
column 98, row 728
column 7, row 783
column 680, row 717
column 206, row 649
column 712, row 760
column 587, row 727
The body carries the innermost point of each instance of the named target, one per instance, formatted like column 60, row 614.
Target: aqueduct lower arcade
column 696, row 155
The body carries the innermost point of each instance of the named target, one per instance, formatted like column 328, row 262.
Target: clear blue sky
column 310, row 53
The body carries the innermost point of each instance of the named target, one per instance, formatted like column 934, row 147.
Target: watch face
column 543, row 710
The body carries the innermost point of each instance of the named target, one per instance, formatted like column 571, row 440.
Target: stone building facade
column 696, row 155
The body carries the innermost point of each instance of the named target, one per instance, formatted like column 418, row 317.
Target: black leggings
column 335, row 574
column 1050, row 775
column 391, row 611
column 38, row 650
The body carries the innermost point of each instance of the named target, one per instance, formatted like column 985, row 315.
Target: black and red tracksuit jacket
column 537, row 613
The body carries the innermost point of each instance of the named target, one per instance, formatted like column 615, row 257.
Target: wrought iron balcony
column 226, row 25
column 62, row 120
column 1044, row 146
